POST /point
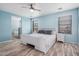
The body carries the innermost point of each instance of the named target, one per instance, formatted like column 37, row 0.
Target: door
column 16, row 26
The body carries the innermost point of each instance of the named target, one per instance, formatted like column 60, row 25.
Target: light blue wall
column 5, row 25
column 78, row 25
column 26, row 25
column 51, row 20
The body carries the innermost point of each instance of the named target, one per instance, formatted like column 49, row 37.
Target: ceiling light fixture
column 59, row 8
column 31, row 10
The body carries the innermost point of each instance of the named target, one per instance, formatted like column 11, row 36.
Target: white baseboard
column 6, row 41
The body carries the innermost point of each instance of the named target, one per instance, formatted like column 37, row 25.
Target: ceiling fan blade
column 36, row 9
column 31, row 7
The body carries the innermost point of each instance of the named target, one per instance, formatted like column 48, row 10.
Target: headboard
column 53, row 29
column 47, row 29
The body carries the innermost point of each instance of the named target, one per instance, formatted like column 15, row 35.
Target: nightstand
column 60, row 37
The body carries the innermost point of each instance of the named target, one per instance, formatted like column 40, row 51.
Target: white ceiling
column 46, row 8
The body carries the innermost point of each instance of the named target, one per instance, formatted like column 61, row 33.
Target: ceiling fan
column 31, row 7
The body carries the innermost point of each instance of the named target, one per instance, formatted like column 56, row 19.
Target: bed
column 41, row 41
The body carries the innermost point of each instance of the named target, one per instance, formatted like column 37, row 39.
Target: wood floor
column 15, row 48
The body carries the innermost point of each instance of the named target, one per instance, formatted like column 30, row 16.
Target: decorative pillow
column 48, row 32
column 45, row 32
column 41, row 31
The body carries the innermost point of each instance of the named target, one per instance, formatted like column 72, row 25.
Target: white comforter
column 41, row 42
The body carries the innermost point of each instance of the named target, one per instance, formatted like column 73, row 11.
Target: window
column 65, row 24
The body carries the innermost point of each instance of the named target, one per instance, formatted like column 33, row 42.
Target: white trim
column 6, row 41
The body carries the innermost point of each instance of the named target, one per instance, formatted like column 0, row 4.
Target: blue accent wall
column 5, row 26
column 26, row 25
column 51, row 21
